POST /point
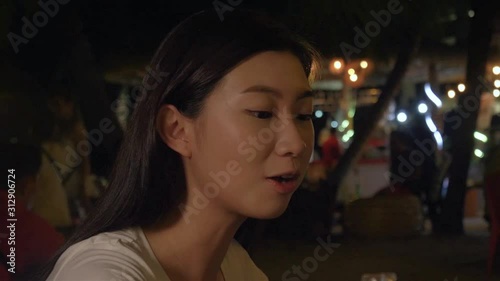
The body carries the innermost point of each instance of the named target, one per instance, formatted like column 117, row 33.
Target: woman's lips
column 285, row 186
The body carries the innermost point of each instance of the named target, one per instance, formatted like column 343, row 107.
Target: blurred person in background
column 427, row 184
column 66, row 182
column 331, row 150
column 36, row 240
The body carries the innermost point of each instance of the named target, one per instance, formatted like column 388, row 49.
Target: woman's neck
column 193, row 249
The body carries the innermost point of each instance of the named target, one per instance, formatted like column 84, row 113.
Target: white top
column 126, row 255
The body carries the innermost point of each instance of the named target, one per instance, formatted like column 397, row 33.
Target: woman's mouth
column 285, row 183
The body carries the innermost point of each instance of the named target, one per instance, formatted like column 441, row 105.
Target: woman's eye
column 305, row 117
column 262, row 114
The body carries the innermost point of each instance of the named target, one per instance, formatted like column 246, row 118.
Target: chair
column 492, row 186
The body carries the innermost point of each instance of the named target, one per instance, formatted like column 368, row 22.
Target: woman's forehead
column 269, row 72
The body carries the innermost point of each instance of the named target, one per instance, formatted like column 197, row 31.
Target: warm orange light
column 336, row 66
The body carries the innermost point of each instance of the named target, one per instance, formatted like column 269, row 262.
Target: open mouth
column 283, row 179
column 285, row 183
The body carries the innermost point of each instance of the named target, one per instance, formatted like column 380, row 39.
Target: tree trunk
column 407, row 49
column 462, row 141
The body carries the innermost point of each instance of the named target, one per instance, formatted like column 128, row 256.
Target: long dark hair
column 148, row 179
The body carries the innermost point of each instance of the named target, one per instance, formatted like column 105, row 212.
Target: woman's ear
column 174, row 129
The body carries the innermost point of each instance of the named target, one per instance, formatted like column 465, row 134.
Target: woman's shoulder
column 118, row 255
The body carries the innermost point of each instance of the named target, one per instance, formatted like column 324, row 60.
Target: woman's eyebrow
column 275, row 92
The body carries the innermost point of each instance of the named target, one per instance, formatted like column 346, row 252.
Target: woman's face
column 255, row 125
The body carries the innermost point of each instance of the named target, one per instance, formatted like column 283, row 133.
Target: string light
column 430, row 124
column 439, row 139
column 430, row 94
column 480, row 136
column 461, row 88
column 363, row 64
column 451, row 94
column 496, row 93
column 402, row 117
column 337, row 64
column 422, row 108
column 478, row 153
column 345, row 123
column 496, row 70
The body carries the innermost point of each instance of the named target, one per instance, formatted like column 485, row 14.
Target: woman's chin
column 271, row 211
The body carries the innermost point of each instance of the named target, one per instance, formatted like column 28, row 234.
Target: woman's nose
column 290, row 142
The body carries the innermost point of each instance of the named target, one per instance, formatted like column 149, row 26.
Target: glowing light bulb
column 480, row 136
column 496, row 93
column 479, row 153
column 461, row 88
column 336, row 66
column 422, row 108
column 402, row 117
column 451, row 94
column 496, row 70
column 363, row 64
column 345, row 123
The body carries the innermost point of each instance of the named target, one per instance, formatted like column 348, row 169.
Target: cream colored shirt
column 51, row 200
column 126, row 255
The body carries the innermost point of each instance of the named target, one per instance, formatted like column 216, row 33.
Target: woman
column 222, row 132
column 65, row 176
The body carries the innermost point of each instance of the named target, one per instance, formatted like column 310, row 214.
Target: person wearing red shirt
column 331, row 150
column 35, row 239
